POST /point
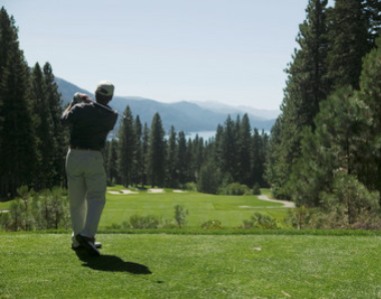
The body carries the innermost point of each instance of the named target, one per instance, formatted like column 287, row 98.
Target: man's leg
column 77, row 193
column 96, row 191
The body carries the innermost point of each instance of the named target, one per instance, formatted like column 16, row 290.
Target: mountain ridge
column 183, row 115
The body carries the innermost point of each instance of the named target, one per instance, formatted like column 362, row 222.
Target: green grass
column 5, row 205
column 230, row 210
column 189, row 266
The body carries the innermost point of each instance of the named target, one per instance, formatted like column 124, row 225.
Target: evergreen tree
column 198, row 157
column 156, row 153
column 229, row 157
column 182, row 159
column 372, row 12
column 145, row 151
column 258, row 158
column 17, row 142
column 44, row 125
column 335, row 147
column 370, row 86
column 244, row 152
column 216, row 147
column 172, row 160
column 111, row 162
column 138, row 161
column 348, row 43
column 127, row 144
column 58, row 147
column 306, row 87
column 274, row 165
column 210, row 178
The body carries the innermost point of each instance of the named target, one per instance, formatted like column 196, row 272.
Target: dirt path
column 286, row 203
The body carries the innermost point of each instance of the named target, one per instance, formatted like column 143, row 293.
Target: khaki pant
column 87, row 188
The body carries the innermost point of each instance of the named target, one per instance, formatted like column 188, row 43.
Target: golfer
column 89, row 123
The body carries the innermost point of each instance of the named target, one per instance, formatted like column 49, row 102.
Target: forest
column 323, row 153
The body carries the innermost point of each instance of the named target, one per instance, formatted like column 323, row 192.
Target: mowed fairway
column 230, row 210
column 189, row 266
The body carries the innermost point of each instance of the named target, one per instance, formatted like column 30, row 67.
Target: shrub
column 212, row 224
column 209, row 179
column 52, row 210
column 191, row 186
column 259, row 220
column 299, row 217
column 351, row 198
column 4, row 219
column 45, row 210
column 141, row 222
column 235, row 189
column 256, row 189
column 180, row 215
column 20, row 216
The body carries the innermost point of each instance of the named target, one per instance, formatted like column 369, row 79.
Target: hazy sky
column 229, row 51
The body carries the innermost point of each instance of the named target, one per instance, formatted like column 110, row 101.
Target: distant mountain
column 224, row 108
column 184, row 116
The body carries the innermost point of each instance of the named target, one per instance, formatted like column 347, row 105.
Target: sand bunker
column 179, row 191
column 155, row 190
column 124, row 192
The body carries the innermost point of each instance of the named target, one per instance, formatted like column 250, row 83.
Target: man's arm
column 78, row 98
column 66, row 113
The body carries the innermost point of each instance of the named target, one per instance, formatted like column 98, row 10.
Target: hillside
column 184, row 116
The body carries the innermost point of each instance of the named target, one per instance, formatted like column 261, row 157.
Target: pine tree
column 215, row 148
column 229, row 145
column 138, row 161
column 17, row 142
column 348, row 43
column 156, row 153
column 273, row 165
column 197, row 157
column 335, row 147
column 258, row 158
column 44, row 126
column 145, row 153
column 127, row 150
column 306, row 87
column 370, row 86
column 172, row 160
column 111, row 162
column 60, row 135
column 244, row 152
column 182, row 159
column 372, row 12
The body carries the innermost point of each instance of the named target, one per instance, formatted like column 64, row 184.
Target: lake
column 206, row 135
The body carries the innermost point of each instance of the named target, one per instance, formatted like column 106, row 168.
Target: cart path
column 286, row 203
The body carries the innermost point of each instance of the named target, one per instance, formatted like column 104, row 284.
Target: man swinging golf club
column 89, row 122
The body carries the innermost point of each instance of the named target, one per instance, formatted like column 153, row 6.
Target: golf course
column 192, row 262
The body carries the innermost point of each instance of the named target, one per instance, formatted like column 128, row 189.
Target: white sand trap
column 155, row 190
column 114, row 192
column 124, row 192
column 179, row 191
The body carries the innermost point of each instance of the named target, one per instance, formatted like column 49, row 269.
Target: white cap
column 105, row 88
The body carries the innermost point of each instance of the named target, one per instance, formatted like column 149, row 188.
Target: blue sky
column 227, row 51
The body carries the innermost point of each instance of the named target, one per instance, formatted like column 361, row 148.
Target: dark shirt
column 89, row 125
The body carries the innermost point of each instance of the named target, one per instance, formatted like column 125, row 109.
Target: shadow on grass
column 111, row 263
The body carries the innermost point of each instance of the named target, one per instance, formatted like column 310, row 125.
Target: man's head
column 104, row 92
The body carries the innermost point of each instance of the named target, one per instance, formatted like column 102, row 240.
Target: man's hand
column 81, row 98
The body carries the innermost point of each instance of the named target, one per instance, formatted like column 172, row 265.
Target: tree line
column 324, row 150
column 32, row 140
column 143, row 155
column 33, row 143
